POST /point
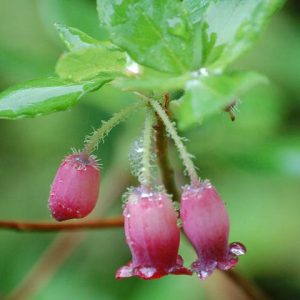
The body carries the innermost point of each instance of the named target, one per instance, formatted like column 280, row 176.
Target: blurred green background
column 254, row 162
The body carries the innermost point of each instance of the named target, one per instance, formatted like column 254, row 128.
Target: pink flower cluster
column 151, row 222
column 153, row 236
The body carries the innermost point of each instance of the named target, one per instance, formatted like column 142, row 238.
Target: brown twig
column 246, row 285
column 162, row 153
column 66, row 243
column 46, row 266
column 24, row 226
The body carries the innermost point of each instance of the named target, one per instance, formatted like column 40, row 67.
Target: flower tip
column 149, row 273
column 203, row 270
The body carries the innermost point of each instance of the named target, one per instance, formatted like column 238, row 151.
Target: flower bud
column 152, row 235
column 75, row 188
column 206, row 224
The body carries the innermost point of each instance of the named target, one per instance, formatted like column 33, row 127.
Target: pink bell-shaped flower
column 152, row 235
column 206, row 224
column 75, row 188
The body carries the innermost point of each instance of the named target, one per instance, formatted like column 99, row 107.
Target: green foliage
column 155, row 33
column 88, row 58
column 231, row 27
column 88, row 63
column 169, row 42
column 74, row 38
column 39, row 97
column 207, row 95
column 152, row 81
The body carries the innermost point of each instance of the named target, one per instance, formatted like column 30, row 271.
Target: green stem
column 102, row 132
column 146, row 159
column 167, row 172
column 185, row 156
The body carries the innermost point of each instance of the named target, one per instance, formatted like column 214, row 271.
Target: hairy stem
column 46, row 266
column 247, row 286
column 162, row 154
column 185, row 156
column 99, row 134
column 146, row 159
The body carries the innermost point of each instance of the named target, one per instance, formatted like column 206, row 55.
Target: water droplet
column 204, row 268
column 146, row 195
column 192, row 83
column 237, row 249
column 147, row 272
column 139, row 150
column 176, row 205
column 177, row 27
column 124, row 272
column 203, row 274
column 132, row 67
column 179, row 223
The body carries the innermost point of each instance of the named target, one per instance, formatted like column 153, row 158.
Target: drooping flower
column 75, row 188
column 206, row 224
column 152, row 235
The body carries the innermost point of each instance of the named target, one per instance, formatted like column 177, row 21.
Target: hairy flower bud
column 75, row 188
column 206, row 224
column 152, row 235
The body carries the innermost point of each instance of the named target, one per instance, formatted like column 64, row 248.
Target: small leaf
column 74, row 38
column 87, row 63
column 44, row 96
column 155, row 33
column 207, row 95
column 151, row 81
column 196, row 9
column 229, row 27
column 88, row 58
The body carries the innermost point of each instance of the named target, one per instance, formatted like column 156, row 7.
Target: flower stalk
column 93, row 140
column 185, row 156
column 146, row 158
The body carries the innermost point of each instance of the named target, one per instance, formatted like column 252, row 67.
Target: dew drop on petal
column 147, row 272
column 237, row 249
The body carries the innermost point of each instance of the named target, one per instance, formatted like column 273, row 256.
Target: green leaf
column 74, row 38
column 155, row 33
column 207, row 95
column 150, row 81
column 196, row 9
column 231, row 27
column 88, row 63
column 39, row 97
column 88, row 58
